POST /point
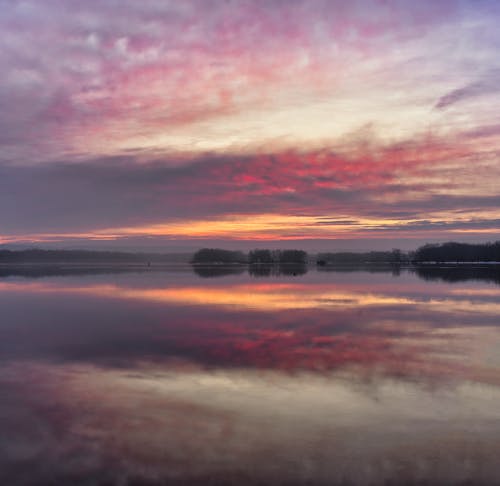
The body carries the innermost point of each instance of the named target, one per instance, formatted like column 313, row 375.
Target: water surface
column 225, row 377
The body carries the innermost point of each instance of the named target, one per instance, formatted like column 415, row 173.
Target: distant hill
column 88, row 257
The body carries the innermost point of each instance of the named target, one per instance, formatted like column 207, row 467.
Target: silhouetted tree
column 217, row 255
column 396, row 256
column 293, row 256
column 458, row 252
column 260, row 256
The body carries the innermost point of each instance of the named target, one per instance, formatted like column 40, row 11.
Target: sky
column 319, row 124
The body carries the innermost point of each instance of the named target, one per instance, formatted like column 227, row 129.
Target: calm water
column 221, row 377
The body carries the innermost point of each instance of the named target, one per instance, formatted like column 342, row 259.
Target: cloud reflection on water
column 88, row 425
column 316, row 324
column 167, row 378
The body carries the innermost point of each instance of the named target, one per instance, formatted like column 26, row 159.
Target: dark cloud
column 484, row 131
column 116, row 192
column 490, row 84
column 337, row 222
column 426, row 225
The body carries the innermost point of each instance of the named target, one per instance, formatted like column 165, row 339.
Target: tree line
column 445, row 252
column 258, row 256
column 458, row 252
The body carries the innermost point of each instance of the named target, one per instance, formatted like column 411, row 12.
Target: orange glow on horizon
column 261, row 227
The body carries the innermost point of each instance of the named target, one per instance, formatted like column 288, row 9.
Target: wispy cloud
column 489, row 84
column 98, row 77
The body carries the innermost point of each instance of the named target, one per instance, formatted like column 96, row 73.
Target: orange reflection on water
column 311, row 325
column 249, row 296
column 276, row 296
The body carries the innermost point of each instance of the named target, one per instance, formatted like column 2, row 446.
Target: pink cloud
column 108, row 72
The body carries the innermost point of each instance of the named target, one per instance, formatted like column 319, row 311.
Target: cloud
column 96, row 77
column 436, row 226
column 489, row 84
column 383, row 184
column 261, row 99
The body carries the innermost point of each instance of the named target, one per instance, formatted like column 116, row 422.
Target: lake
column 220, row 376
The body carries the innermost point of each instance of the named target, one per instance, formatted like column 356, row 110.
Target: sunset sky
column 311, row 123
